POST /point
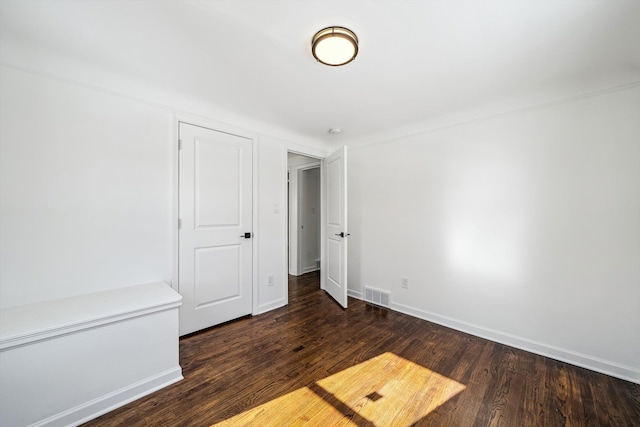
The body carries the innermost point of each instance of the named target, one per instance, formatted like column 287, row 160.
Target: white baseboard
column 355, row 294
column 270, row 306
column 627, row 373
column 93, row 409
column 606, row 367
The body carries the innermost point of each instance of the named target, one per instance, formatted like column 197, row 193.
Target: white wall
column 87, row 192
column 523, row 228
column 85, row 184
column 272, row 232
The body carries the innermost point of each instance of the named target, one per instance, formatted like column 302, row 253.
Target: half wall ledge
column 66, row 361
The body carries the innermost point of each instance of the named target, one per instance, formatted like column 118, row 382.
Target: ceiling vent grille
column 376, row 297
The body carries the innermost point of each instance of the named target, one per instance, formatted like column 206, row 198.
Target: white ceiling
column 420, row 63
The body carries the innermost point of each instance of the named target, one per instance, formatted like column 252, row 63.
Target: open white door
column 215, row 207
column 334, row 273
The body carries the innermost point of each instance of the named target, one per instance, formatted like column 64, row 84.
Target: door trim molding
column 319, row 156
column 294, row 171
column 175, row 160
column 299, row 268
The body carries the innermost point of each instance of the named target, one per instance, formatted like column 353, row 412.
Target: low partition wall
column 64, row 362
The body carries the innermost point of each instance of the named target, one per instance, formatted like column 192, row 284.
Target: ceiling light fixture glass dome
column 334, row 46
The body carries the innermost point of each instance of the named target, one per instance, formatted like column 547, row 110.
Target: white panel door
column 334, row 274
column 215, row 209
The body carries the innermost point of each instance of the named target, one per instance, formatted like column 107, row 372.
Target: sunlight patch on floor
column 385, row 390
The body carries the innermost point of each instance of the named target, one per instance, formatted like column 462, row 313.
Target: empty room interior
column 356, row 212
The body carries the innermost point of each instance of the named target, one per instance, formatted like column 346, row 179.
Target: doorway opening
column 304, row 216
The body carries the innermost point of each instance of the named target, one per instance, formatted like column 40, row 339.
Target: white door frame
column 225, row 128
column 301, row 171
column 294, row 171
column 319, row 155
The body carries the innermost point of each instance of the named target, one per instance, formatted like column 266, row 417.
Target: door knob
column 343, row 234
column 246, row 236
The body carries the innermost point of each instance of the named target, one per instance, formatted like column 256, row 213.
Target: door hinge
column 179, row 144
column 179, row 224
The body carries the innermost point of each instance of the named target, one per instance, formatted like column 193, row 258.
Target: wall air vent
column 376, row 297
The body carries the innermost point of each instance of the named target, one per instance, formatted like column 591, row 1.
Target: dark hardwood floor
column 251, row 362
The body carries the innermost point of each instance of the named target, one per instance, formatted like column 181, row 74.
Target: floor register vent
column 376, row 297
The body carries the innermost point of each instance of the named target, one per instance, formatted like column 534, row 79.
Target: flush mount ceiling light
column 334, row 46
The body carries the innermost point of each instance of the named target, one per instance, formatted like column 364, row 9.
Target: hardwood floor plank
column 314, row 363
